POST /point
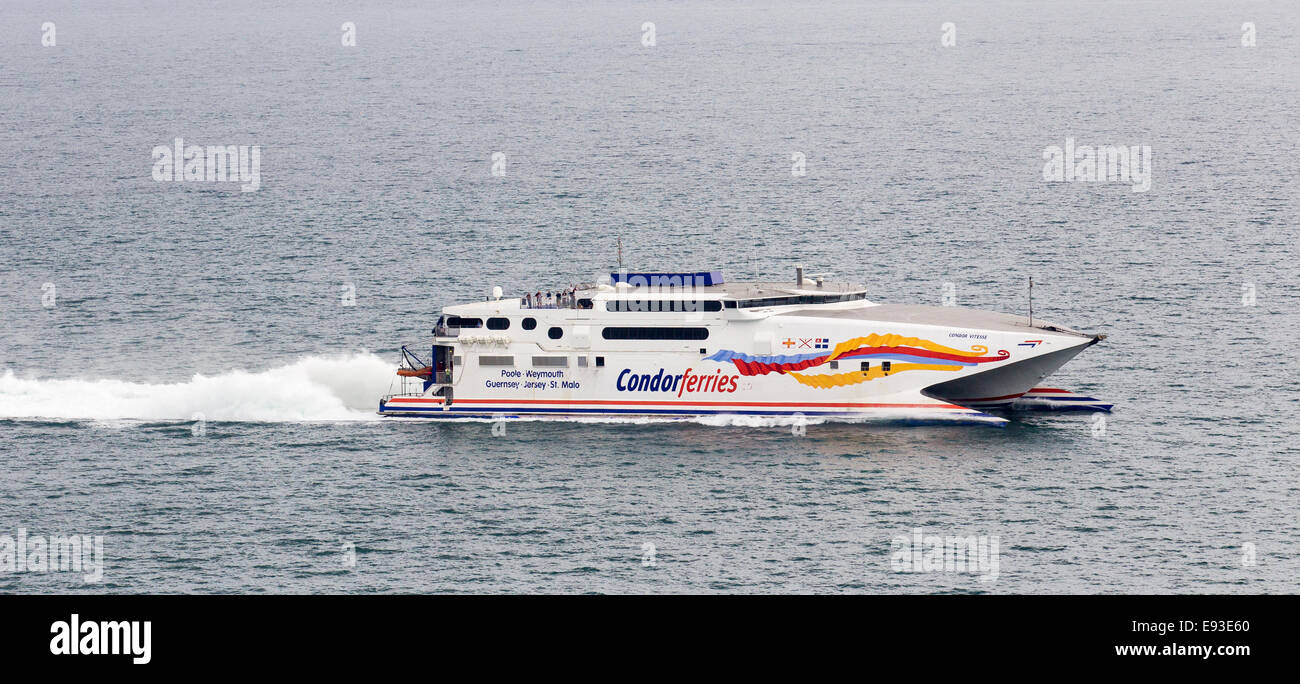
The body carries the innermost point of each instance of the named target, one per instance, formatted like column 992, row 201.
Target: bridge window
column 458, row 322
column 799, row 299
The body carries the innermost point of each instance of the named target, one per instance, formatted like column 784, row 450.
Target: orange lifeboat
column 425, row 372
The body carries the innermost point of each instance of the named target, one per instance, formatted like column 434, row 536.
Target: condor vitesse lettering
column 681, row 383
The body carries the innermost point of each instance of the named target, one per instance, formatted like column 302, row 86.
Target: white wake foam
column 314, row 388
column 759, row 421
column 325, row 388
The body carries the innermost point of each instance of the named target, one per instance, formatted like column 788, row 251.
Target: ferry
column 678, row 345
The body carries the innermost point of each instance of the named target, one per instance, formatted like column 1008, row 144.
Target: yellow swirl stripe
column 825, row 381
column 892, row 340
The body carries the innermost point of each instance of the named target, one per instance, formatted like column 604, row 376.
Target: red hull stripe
column 600, row 402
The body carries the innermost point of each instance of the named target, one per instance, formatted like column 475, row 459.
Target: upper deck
column 638, row 288
column 624, row 294
column 655, row 293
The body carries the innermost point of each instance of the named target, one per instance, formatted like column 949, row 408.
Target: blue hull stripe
column 435, row 411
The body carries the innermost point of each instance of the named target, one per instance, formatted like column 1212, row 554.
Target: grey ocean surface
column 924, row 167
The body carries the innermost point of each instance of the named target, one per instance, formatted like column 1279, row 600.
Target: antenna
column 1031, row 301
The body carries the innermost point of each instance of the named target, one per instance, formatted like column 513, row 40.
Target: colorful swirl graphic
column 903, row 353
column 855, row 377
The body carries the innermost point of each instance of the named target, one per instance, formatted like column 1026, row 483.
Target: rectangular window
column 455, row 360
column 582, row 362
column 496, row 360
column 835, row 365
column 551, row 361
column 655, row 333
column 663, row 305
column 600, row 361
column 866, row 366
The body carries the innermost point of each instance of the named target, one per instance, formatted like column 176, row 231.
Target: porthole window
column 498, row 323
column 530, row 323
column 555, row 333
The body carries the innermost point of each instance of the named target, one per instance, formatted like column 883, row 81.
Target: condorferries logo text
column 680, row 383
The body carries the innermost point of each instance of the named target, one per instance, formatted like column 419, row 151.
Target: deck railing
column 561, row 300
